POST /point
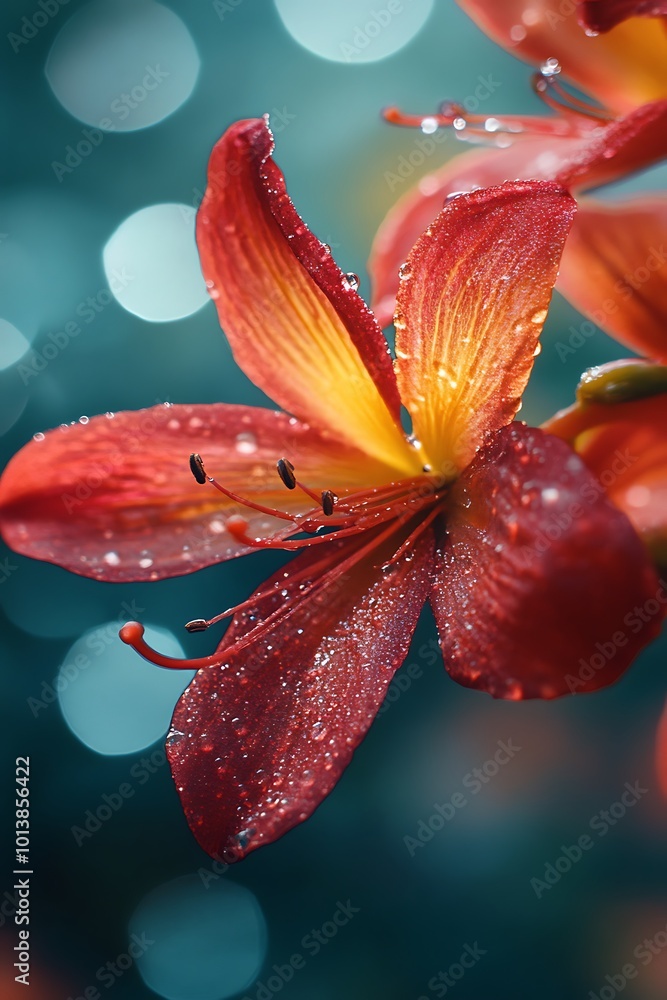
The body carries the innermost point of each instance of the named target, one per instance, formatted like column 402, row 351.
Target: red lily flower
column 613, row 268
column 458, row 514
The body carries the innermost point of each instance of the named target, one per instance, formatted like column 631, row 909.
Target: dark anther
column 197, row 468
column 286, row 473
column 198, row 625
column 328, row 501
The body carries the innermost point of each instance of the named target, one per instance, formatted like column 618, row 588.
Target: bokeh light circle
column 354, row 31
column 122, row 65
column 13, row 345
column 209, row 938
column 112, row 700
column 152, row 265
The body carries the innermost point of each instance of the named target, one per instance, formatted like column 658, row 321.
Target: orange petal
column 614, row 270
column 625, row 446
column 622, row 69
column 295, row 324
column 473, row 298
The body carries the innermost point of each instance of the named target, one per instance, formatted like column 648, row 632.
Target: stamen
column 328, row 502
column 286, row 473
column 197, row 625
column 197, row 468
column 133, row 632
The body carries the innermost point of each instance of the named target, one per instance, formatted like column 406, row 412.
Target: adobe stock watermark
column 121, row 108
column 624, row 288
column 474, row 781
column 109, row 973
column 442, row 982
column 32, row 24
column 111, row 802
column 600, row 824
column 645, row 952
column 312, row 943
column 225, row 7
column 427, row 144
column 96, row 644
column 86, row 312
column 607, row 648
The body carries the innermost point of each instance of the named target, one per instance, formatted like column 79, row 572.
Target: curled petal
column 602, row 15
column 622, row 69
column 295, row 322
column 257, row 743
column 543, row 587
column 115, row 499
column 473, row 297
column 625, row 447
column 614, row 270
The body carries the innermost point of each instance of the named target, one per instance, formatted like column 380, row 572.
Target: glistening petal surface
column 472, row 300
column 538, row 578
column 114, row 498
column 257, row 744
column 295, row 324
column 614, row 270
column 622, row 69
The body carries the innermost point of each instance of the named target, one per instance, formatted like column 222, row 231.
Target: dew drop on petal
column 111, row 558
column 351, row 281
column 246, row 444
column 38, row 436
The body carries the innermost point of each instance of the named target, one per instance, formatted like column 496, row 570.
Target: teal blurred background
column 408, row 913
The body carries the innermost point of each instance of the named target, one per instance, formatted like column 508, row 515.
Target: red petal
column 622, row 70
column 608, row 153
column 471, row 304
column 542, row 582
column 115, row 499
column 614, row 270
column 255, row 746
column 295, row 324
column 602, row 15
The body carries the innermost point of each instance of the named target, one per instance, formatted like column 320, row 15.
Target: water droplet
column 550, row 68
column 429, row 126
column 111, row 558
column 246, row 444
column 538, row 350
column 404, row 271
column 414, row 442
column 84, row 420
column 351, row 281
column 492, row 125
column 453, row 195
column 38, row 436
column 550, row 495
column 459, row 124
column 146, row 562
column 539, row 316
